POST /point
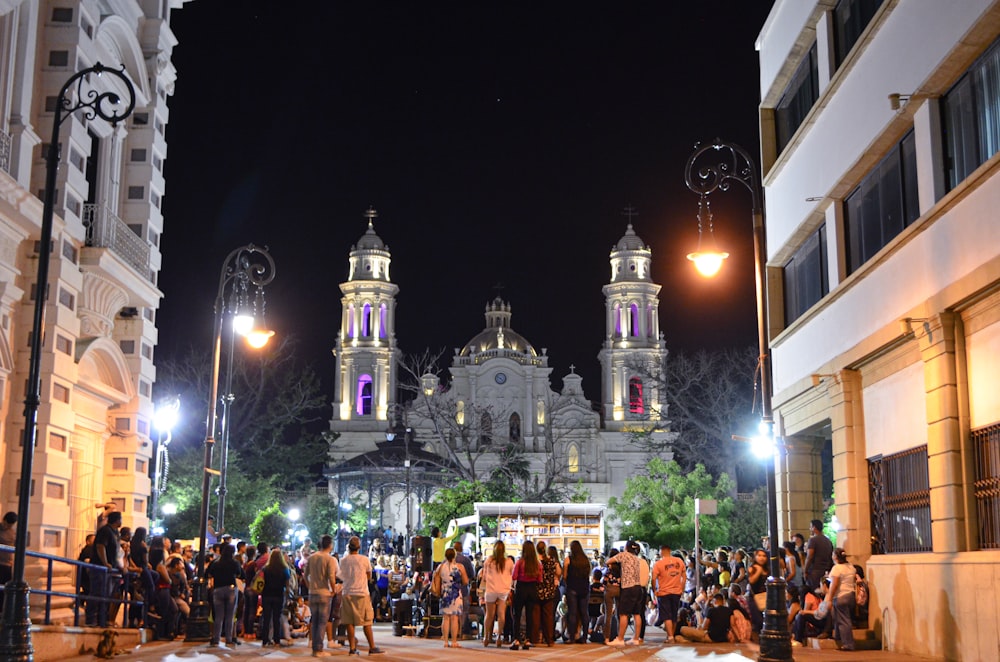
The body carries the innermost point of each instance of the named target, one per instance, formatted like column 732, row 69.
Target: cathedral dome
column 498, row 335
column 630, row 241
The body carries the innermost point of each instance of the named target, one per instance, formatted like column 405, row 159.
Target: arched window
column 618, row 320
column 350, row 320
column 515, row 428
column 574, row 459
column 649, row 321
column 635, row 404
column 364, row 407
column 460, row 412
column 540, row 412
column 485, row 429
column 366, row 320
column 381, row 321
column 634, row 319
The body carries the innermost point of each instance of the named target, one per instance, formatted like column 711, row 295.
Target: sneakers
column 634, row 642
column 375, row 651
column 515, row 646
column 322, row 654
column 353, row 651
column 334, row 644
column 796, row 642
column 615, row 642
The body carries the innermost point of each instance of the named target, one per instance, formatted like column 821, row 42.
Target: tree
column 270, row 526
column 278, row 403
column 453, row 502
column 320, row 516
column 748, row 523
column 710, row 396
column 659, row 506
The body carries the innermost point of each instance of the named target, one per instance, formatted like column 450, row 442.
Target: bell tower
column 634, row 349
column 366, row 345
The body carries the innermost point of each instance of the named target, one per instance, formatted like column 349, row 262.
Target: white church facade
column 500, row 395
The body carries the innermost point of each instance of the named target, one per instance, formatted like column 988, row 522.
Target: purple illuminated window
column 618, row 321
column 350, row 321
column 366, row 320
column 381, row 321
column 365, row 395
column 634, row 314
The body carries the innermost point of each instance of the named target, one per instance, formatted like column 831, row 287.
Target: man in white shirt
column 356, row 571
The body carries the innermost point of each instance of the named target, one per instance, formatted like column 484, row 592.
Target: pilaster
column 850, row 467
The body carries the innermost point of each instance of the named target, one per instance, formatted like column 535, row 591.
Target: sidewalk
column 413, row 649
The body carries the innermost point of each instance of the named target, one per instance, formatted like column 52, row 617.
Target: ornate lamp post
column 15, row 633
column 716, row 167
column 164, row 419
column 246, row 266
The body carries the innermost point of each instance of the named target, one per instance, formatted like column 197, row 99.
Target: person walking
column 321, row 575
column 498, row 572
column 222, row 576
column 576, row 571
column 842, row 599
column 272, row 598
column 356, row 571
column 449, row 578
column 668, row 587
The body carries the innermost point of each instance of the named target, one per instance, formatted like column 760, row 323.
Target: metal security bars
column 901, row 502
column 986, row 449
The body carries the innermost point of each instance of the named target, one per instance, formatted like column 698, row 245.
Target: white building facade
column 880, row 125
column 500, row 390
column 93, row 436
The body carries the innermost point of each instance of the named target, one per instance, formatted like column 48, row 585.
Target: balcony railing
column 4, row 151
column 106, row 230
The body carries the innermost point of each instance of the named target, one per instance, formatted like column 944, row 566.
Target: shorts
column 631, row 601
column 357, row 610
column 492, row 597
column 668, row 606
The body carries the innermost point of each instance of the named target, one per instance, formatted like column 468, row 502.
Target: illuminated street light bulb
column 708, row 263
column 763, row 444
column 294, row 514
column 346, row 506
column 169, row 509
column 258, row 336
column 243, row 323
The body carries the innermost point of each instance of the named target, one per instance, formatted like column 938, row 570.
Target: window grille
column 986, row 448
column 900, row 502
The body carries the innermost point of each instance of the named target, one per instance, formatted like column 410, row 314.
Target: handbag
column 257, row 585
column 436, row 583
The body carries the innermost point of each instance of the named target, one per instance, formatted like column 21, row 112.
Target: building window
column 148, row 314
column 649, row 320
column 69, row 251
column 157, row 162
column 127, row 346
column 350, row 320
column 147, row 351
column 540, row 412
column 618, row 320
column 140, row 466
column 514, row 424
column 51, row 539
column 77, row 160
column 634, row 319
column 64, row 344
column 381, row 321
column 153, row 237
column 144, row 389
column 460, row 412
column 58, row 58
column 366, row 320
column 66, row 298
column 17, row 488
column 635, row 403
column 119, row 504
column 57, row 442
column 139, row 505
column 138, row 156
column 850, row 18
column 805, row 276
column 55, row 490
column 574, row 459
column 154, row 197
column 797, row 100
column 970, row 112
column 62, row 14
column 119, row 464
column 140, row 119
column 883, row 204
column 123, row 424
column 986, row 448
column 900, row 502
column 60, row 392
column 364, row 399
column 136, row 193
column 485, row 429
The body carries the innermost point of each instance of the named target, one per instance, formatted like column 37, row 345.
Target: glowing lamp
column 707, row 263
column 243, row 324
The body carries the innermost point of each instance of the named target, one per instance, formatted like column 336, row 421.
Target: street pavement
column 415, row 649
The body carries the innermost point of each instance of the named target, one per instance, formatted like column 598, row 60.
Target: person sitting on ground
column 715, row 628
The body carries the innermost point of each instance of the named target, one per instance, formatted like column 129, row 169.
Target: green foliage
column 828, row 530
column 320, row 516
column 658, row 506
column 357, row 518
column 748, row 523
column 245, row 495
column 453, row 502
column 580, row 494
column 270, row 526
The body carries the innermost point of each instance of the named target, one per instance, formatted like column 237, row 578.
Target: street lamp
column 15, row 633
column 164, row 419
column 716, row 167
column 407, row 433
column 246, row 266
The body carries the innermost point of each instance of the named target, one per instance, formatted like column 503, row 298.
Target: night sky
column 499, row 143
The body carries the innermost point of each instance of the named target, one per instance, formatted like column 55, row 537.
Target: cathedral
column 403, row 432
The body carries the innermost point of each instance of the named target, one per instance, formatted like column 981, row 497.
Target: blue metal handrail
column 77, row 597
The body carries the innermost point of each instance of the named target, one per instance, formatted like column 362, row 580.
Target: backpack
column 741, row 627
column 860, row 591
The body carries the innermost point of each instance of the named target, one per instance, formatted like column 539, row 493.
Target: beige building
column 880, row 130
column 94, row 422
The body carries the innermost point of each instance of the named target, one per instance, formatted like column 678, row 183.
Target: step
column 864, row 640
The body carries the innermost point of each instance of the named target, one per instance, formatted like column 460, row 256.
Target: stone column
column 944, row 439
column 850, row 466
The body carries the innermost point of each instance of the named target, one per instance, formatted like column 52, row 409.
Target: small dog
column 106, row 646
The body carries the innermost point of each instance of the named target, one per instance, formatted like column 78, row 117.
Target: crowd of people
column 543, row 597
